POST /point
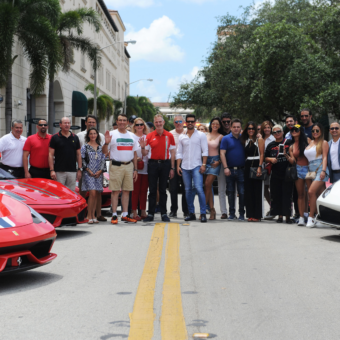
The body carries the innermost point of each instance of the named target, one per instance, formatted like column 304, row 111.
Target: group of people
column 253, row 163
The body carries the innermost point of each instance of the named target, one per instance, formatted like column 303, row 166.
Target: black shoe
column 173, row 214
column 191, row 217
column 148, row 218
column 186, row 214
column 165, row 218
column 279, row 220
column 203, row 218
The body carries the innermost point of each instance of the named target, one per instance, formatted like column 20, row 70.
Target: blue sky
column 173, row 38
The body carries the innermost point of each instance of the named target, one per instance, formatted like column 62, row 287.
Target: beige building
column 171, row 112
column 112, row 76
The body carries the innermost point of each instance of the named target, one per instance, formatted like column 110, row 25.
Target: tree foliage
column 272, row 60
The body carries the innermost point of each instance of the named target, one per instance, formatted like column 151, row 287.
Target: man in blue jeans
column 192, row 147
column 233, row 160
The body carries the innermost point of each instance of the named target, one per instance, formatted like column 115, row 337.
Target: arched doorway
column 58, row 102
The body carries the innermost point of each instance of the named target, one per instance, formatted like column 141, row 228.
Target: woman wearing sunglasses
column 316, row 153
column 253, row 188
column 280, row 190
column 296, row 155
column 140, row 189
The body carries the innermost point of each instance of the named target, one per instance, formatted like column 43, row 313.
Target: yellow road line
column 142, row 317
column 172, row 318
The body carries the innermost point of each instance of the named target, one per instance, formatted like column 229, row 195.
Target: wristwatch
column 172, row 169
column 204, row 164
column 81, row 169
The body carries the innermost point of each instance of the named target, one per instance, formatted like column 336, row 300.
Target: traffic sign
column 56, row 124
column 75, row 127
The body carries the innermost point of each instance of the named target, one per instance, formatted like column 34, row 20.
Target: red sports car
column 57, row 204
column 26, row 238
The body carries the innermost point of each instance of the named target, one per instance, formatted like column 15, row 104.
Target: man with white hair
column 64, row 154
column 11, row 148
column 177, row 182
column 161, row 165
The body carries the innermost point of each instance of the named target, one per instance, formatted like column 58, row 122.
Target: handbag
column 253, row 171
column 140, row 165
column 268, row 167
column 291, row 173
column 312, row 174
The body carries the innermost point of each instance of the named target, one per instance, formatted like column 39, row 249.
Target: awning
column 79, row 104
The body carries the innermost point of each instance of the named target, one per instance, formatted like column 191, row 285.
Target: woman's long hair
column 303, row 143
column 321, row 139
column 87, row 137
column 245, row 135
column 220, row 130
column 263, row 126
column 146, row 129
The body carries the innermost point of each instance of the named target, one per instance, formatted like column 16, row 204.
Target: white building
column 171, row 112
column 112, row 76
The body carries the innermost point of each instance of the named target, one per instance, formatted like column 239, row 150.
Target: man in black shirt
column 64, row 153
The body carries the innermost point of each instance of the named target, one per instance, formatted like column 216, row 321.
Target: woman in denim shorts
column 213, row 166
column 296, row 155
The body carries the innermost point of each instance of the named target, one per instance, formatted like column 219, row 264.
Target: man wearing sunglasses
column 11, row 148
column 226, row 125
column 333, row 159
column 306, row 122
column 176, row 183
column 37, row 147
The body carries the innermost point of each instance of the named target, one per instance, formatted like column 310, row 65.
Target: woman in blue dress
column 94, row 165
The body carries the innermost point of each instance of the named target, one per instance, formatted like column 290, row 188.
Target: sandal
column 95, row 220
column 256, row 220
column 250, row 219
column 90, row 221
column 137, row 218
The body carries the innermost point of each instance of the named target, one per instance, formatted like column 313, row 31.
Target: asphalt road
column 234, row 280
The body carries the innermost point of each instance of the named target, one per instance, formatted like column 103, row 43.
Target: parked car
column 56, row 203
column 26, row 238
column 328, row 204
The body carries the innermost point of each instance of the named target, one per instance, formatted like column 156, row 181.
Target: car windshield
column 6, row 174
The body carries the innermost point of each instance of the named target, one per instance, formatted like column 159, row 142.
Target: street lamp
column 95, row 74
column 126, row 85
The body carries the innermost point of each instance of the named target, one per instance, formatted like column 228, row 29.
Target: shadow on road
column 333, row 238
column 111, row 336
column 67, row 234
column 15, row 283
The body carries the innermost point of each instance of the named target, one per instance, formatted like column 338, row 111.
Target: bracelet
column 226, row 168
column 51, row 170
column 172, row 169
column 142, row 148
column 323, row 171
column 106, row 144
column 204, row 164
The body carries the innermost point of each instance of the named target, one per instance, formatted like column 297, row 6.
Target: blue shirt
column 235, row 154
column 308, row 131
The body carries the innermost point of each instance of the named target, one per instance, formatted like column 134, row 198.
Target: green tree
column 31, row 23
column 69, row 29
column 141, row 107
column 105, row 104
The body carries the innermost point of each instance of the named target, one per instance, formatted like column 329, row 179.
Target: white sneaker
column 310, row 222
column 301, row 222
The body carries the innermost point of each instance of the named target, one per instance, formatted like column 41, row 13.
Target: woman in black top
column 280, row 190
column 253, row 188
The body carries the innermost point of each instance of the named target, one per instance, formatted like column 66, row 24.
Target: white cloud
column 174, row 83
column 156, row 43
column 134, row 3
column 148, row 89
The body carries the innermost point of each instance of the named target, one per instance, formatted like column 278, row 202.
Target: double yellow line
column 172, row 318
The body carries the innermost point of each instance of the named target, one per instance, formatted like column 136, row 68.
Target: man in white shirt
column 176, row 182
column 11, row 148
column 333, row 158
column 192, row 147
column 123, row 168
column 91, row 121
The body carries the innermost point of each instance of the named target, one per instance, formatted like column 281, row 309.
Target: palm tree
column 105, row 104
column 31, row 23
column 141, row 107
column 69, row 29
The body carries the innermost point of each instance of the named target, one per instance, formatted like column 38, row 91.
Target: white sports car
column 328, row 204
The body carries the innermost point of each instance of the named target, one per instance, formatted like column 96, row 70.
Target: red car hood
column 13, row 213
column 37, row 191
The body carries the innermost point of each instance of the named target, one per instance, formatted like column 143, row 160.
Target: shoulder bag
column 291, row 172
column 312, row 174
column 253, row 170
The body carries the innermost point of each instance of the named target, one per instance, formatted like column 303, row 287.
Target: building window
column 118, row 90
column 108, row 80
column 114, row 86
column 82, row 62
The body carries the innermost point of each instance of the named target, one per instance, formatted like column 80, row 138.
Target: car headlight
column 37, row 218
column 327, row 191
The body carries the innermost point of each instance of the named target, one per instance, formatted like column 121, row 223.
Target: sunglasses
column 295, row 129
column 304, row 116
column 141, row 124
column 275, row 132
column 42, row 124
column 190, row 122
column 334, row 128
column 315, row 131
column 178, row 121
column 251, row 128
column 226, row 121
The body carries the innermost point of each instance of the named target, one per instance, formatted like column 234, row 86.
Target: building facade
column 112, row 76
column 171, row 112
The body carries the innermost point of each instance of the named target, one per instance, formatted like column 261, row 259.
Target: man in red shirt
column 161, row 165
column 37, row 147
